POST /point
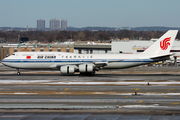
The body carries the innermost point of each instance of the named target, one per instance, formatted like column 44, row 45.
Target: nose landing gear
column 18, row 72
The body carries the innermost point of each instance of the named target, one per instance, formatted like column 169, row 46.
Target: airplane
column 88, row 64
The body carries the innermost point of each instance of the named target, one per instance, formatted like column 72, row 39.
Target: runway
column 140, row 90
column 83, row 116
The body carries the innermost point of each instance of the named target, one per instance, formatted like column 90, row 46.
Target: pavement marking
column 51, row 82
column 137, row 89
column 125, row 96
column 58, row 96
column 141, row 101
column 169, row 90
column 166, row 96
column 59, row 93
column 66, row 89
column 175, row 103
column 95, row 100
column 12, row 116
column 173, row 89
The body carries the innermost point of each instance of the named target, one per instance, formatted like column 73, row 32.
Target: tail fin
column 163, row 45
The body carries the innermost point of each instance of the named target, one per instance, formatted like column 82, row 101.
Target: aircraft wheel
column 18, row 73
column 90, row 73
column 81, row 73
column 93, row 73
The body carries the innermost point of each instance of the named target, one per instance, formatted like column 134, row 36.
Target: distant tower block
column 27, row 28
column 54, row 24
column 41, row 24
column 63, row 24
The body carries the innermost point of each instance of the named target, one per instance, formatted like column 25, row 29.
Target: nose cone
column 4, row 62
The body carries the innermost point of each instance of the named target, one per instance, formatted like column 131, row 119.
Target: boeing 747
column 69, row 63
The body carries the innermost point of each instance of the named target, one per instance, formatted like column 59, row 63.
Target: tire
column 18, row 73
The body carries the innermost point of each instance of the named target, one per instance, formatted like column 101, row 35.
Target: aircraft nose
column 3, row 62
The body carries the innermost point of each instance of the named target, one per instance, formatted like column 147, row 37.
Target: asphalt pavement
column 155, row 90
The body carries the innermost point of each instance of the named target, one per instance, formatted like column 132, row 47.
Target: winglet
column 163, row 45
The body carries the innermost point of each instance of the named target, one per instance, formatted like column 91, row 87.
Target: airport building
column 137, row 46
column 40, row 24
column 8, row 49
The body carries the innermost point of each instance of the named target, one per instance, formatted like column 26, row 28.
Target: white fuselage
column 53, row 60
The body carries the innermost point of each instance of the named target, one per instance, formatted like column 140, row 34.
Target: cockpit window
column 13, row 54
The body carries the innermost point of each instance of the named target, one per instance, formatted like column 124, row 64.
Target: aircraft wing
column 97, row 64
column 102, row 64
column 161, row 56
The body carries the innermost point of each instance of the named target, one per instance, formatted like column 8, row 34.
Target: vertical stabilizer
column 163, row 45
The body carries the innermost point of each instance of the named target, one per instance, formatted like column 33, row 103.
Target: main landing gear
column 18, row 72
column 88, row 73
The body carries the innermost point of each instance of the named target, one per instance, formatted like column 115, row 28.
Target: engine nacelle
column 67, row 70
column 86, row 68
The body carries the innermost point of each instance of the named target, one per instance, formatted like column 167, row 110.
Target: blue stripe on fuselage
column 73, row 60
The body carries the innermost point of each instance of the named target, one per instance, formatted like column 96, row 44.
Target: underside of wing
column 161, row 57
column 102, row 64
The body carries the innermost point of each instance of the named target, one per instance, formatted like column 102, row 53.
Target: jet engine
column 86, row 68
column 67, row 69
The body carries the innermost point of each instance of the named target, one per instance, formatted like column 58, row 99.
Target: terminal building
column 8, row 49
column 137, row 46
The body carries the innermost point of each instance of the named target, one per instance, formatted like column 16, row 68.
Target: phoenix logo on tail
column 164, row 43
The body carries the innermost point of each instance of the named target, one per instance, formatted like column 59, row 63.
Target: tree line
column 61, row 36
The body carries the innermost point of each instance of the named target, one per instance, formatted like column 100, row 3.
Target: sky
column 96, row 13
